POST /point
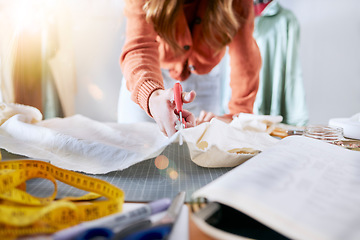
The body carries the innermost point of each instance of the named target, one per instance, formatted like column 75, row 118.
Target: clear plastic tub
column 324, row 133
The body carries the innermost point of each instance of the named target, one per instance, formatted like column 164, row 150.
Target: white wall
column 330, row 56
column 98, row 33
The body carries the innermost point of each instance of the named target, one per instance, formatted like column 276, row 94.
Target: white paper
column 301, row 187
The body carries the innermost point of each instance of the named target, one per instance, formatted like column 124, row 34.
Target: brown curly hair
column 220, row 22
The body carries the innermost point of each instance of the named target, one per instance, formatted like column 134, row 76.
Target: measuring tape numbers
column 23, row 214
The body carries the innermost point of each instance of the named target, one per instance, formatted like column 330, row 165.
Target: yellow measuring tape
column 24, row 214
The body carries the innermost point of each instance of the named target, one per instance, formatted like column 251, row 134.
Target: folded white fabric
column 351, row 126
column 28, row 113
column 82, row 144
column 218, row 144
column 257, row 123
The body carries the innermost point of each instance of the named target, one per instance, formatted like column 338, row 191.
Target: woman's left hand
column 207, row 116
column 225, row 118
column 204, row 117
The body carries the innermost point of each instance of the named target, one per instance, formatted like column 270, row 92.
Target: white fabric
column 81, row 144
column 259, row 123
column 221, row 138
column 351, row 126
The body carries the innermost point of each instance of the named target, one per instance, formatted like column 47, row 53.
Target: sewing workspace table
column 145, row 182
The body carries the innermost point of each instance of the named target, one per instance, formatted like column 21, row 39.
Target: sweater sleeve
column 139, row 59
column 245, row 63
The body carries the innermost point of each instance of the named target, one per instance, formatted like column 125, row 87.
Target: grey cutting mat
column 144, row 182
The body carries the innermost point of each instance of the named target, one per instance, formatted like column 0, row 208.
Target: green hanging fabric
column 281, row 90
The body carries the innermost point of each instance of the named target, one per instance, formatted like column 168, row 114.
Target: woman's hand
column 207, row 116
column 162, row 108
column 225, row 118
column 204, row 117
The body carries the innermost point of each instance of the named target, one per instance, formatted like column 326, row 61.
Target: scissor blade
column 181, row 127
column 181, row 120
column 175, row 207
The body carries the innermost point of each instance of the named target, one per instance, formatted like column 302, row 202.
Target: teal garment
column 281, row 90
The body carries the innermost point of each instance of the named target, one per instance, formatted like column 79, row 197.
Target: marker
column 115, row 220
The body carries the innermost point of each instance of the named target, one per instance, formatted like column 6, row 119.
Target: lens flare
column 161, row 162
column 173, row 174
column 95, row 91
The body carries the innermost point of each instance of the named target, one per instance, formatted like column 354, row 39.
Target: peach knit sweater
column 145, row 53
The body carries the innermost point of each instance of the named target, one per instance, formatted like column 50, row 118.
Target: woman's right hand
column 163, row 110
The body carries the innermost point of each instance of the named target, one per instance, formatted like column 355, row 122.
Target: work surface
column 276, row 177
column 146, row 181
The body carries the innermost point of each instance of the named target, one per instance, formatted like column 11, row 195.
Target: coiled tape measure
column 24, row 214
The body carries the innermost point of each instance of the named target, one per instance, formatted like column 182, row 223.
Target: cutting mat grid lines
column 144, row 182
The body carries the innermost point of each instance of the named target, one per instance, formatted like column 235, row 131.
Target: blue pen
column 115, row 220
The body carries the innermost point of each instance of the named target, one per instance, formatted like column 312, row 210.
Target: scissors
column 142, row 230
column 179, row 104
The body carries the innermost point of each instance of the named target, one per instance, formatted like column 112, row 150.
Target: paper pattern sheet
column 82, row 144
column 301, row 187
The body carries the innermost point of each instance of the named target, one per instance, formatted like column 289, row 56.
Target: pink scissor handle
column 178, row 99
column 177, row 96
